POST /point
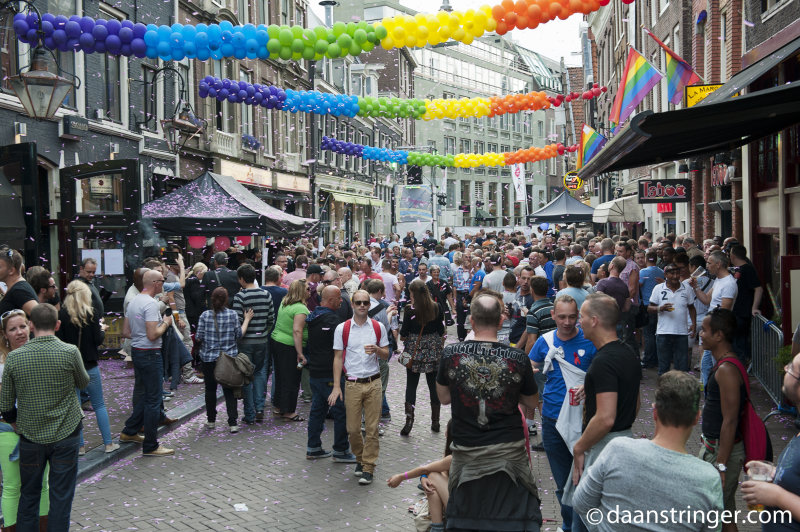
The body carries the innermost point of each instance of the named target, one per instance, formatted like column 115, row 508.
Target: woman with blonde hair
column 422, row 333
column 15, row 334
column 80, row 327
column 289, row 338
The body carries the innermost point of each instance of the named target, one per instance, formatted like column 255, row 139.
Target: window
column 492, row 147
column 243, row 11
column 540, row 125
column 112, row 91
column 449, row 146
column 264, row 13
column 676, row 39
column 247, row 110
column 448, row 95
column 67, row 62
column 150, row 104
column 266, row 122
column 101, row 193
column 224, row 69
column 504, row 148
column 299, row 19
column 285, row 12
column 465, row 146
column 479, row 146
column 355, row 84
column 664, row 5
column 723, row 47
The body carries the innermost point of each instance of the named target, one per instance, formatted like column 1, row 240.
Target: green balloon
column 285, row 53
column 344, row 41
column 285, row 37
column 381, row 32
column 362, row 25
column 320, row 47
column 298, row 46
column 297, row 56
column 360, row 36
column 308, row 53
column 321, row 32
column 273, row 30
column 334, row 51
column 317, row 57
column 339, row 28
column 367, row 46
column 310, row 36
column 351, row 28
column 355, row 49
column 297, row 31
column 274, row 46
column 331, row 37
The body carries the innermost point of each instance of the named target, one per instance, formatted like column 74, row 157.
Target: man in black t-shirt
column 223, row 277
column 19, row 294
column 748, row 300
column 485, row 381
column 611, row 387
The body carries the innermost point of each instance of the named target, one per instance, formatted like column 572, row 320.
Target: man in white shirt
column 723, row 294
column 674, row 304
column 494, row 279
column 357, row 345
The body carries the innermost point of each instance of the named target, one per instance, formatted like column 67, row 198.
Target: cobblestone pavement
column 264, row 468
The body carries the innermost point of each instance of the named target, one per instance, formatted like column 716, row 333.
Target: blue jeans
column 706, row 365
column 148, row 372
column 253, row 393
column 672, row 349
column 320, row 390
column 62, row 456
column 560, row 459
column 649, row 338
column 95, row 392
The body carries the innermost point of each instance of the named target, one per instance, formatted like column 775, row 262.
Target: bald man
column 321, row 325
column 348, row 283
column 145, row 327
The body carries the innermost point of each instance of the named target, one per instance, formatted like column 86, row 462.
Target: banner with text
column 665, row 190
column 518, row 177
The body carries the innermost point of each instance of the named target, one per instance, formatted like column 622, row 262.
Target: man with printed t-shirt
column 491, row 485
column 674, row 304
column 723, row 294
column 579, row 352
column 357, row 344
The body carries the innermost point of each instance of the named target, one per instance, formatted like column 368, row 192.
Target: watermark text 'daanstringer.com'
column 713, row 518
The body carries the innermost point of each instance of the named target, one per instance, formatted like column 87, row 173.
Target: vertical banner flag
column 518, row 177
column 591, row 143
column 679, row 72
column 637, row 80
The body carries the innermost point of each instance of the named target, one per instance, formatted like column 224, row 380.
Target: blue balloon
column 226, row 36
column 189, row 32
column 164, row 33
column 177, row 54
column 238, row 40
column 176, row 40
column 216, row 55
column 226, row 26
column 544, row 226
column 227, row 50
column 190, row 50
column 201, row 39
column 151, row 52
column 163, row 49
column 203, row 54
column 151, row 38
column 201, row 28
column 249, row 31
column 214, row 33
column 176, row 28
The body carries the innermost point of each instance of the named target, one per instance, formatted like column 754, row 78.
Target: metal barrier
column 765, row 340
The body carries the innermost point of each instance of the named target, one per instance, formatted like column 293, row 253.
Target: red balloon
column 596, row 91
column 587, row 95
column 243, row 240
column 561, row 149
column 603, row 88
column 197, row 242
column 222, row 243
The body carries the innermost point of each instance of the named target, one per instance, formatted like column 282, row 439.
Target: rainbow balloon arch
column 224, row 40
column 459, row 160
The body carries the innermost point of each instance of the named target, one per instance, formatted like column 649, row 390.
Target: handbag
column 406, row 359
column 226, row 372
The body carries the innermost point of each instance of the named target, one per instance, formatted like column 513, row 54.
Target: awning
column 625, row 209
column 483, row 215
column 343, row 197
column 376, row 202
column 750, row 74
column 562, row 209
column 652, row 138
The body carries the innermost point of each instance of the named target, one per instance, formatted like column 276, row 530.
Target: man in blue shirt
column 607, row 246
column 442, row 262
column 650, row 276
column 579, row 352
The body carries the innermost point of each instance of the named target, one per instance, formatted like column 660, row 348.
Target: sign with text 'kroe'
column 665, row 190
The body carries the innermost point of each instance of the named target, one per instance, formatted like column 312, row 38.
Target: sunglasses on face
column 361, row 302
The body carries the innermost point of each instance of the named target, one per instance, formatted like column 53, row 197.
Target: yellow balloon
column 443, row 17
column 444, row 33
column 387, row 43
column 454, row 22
column 399, row 33
column 459, row 34
column 422, row 32
column 411, row 41
column 468, row 38
column 420, row 18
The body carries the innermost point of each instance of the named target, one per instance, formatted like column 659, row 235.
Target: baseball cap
column 313, row 268
column 514, row 260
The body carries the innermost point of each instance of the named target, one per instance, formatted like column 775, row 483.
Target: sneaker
column 82, row 450
column 167, row 398
column 344, row 458
column 234, row 429
column 160, row 451
column 112, row 447
column 386, row 417
column 321, row 453
column 359, row 470
column 127, row 438
column 194, row 379
column 168, row 393
column 260, row 416
column 366, row 478
column 211, row 425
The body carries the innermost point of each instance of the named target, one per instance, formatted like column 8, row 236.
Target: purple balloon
column 127, row 24
column 242, row 95
column 49, row 43
column 87, row 24
column 21, row 27
column 139, row 30
column 212, row 92
column 100, row 47
column 100, row 32
column 139, row 47
column 61, row 21
column 49, row 17
column 32, row 20
column 86, row 41
column 258, row 98
column 59, row 36
column 233, row 98
column 125, row 35
column 222, row 94
column 113, row 26
column 113, row 44
column 73, row 29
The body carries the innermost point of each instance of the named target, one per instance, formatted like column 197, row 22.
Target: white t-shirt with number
column 675, row 322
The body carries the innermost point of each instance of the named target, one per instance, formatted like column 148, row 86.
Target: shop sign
column 720, row 176
column 248, row 175
column 572, row 181
column 695, row 94
column 665, row 191
column 101, row 186
column 73, row 127
column 292, row 182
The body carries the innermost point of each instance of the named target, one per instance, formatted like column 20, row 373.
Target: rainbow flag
column 637, row 80
column 679, row 72
column 591, row 143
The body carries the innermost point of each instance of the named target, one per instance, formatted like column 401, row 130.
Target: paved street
column 264, row 468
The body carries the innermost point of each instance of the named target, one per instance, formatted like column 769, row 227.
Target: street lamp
column 40, row 89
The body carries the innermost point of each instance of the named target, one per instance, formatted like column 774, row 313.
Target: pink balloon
column 197, row 242
column 243, row 240
column 222, row 243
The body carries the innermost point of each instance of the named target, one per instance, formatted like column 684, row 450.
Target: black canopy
column 220, row 205
column 651, row 138
column 563, row 209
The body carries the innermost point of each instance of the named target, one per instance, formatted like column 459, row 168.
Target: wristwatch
column 721, row 468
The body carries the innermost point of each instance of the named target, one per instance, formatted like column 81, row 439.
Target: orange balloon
column 555, row 10
column 502, row 27
column 508, row 5
column 498, row 12
column 511, row 20
column 522, row 21
column 534, row 12
column 565, row 13
column 520, row 7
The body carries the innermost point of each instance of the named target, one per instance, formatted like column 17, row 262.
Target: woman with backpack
column 422, row 334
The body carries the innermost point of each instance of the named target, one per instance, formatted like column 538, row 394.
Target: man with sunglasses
column 357, row 344
column 145, row 327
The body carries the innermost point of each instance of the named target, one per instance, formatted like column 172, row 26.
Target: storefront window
column 101, row 193
column 105, row 247
column 765, row 162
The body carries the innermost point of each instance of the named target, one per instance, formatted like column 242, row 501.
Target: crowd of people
column 560, row 323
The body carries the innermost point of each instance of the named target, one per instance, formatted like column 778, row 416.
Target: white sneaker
column 234, row 429
column 211, row 425
column 194, row 379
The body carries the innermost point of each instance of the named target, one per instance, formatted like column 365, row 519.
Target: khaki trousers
column 366, row 397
